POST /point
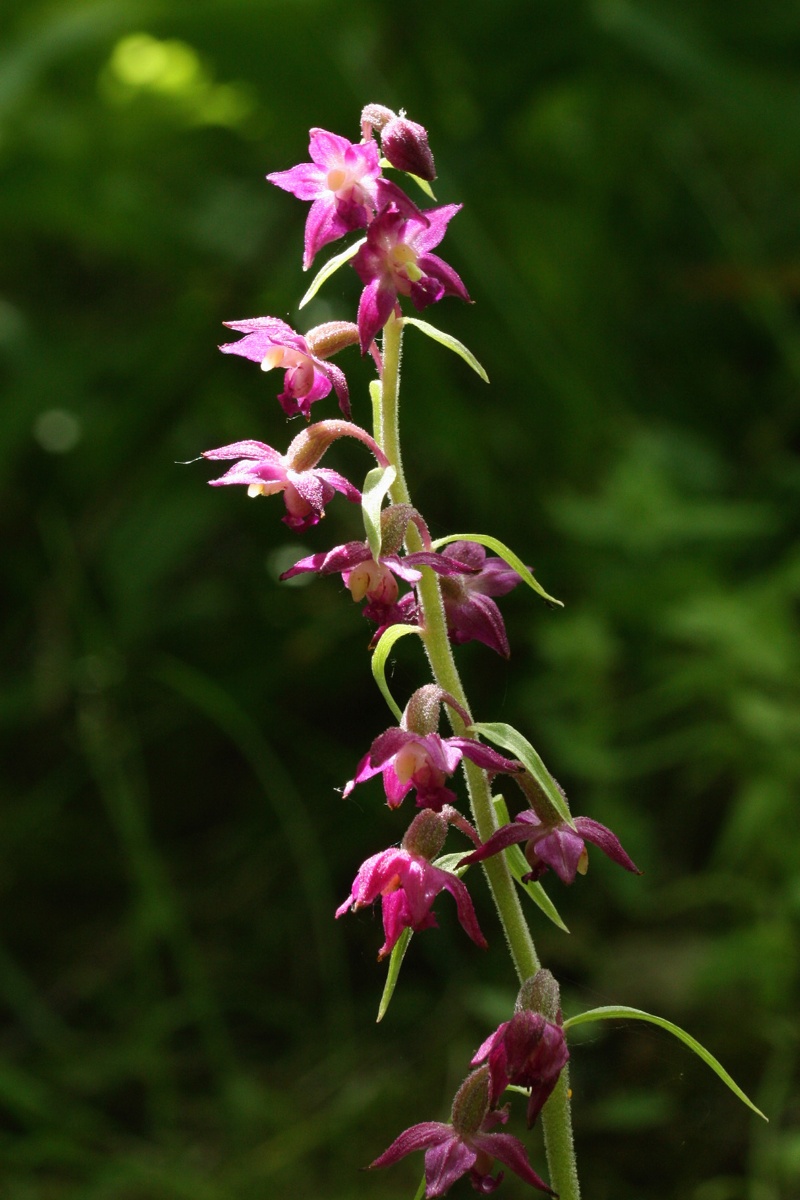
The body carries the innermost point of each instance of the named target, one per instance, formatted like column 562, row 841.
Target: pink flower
column 374, row 580
column 528, row 1051
column 465, row 1144
column 396, row 260
column 554, row 844
column 422, row 761
column 272, row 343
column 407, row 883
column 344, row 183
column 306, row 488
column 471, row 613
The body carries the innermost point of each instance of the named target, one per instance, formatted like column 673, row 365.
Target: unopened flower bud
column 540, row 994
column 405, row 145
column 426, row 834
column 331, row 337
column 471, row 1103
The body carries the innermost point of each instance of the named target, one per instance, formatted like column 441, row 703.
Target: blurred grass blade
column 622, row 1012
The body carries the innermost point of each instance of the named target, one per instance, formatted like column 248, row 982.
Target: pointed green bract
column 509, row 738
column 449, row 862
column 421, row 183
column 622, row 1012
column 331, row 266
column 376, row 485
column 518, row 865
column 395, row 962
column 492, row 543
column 381, row 653
column 446, row 339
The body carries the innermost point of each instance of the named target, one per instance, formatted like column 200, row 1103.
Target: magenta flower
column 375, row 580
column 396, row 260
column 554, row 845
column 306, row 488
column 344, row 183
column 471, row 613
column 422, row 761
column 272, row 343
column 529, row 1051
column 465, row 1144
column 408, row 883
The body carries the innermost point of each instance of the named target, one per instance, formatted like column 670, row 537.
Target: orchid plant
column 450, row 585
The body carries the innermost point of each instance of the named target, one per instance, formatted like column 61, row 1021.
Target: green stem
column 556, row 1116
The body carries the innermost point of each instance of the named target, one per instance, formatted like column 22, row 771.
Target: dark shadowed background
column 182, row 1019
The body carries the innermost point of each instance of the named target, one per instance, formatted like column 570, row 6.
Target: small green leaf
column 622, row 1012
column 449, row 862
column 450, row 342
column 331, row 266
column 381, row 653
column 395, row 962
column 518, row 865
column 422, row 183
column 507, row 555
column 509, row 738
column 376, row 485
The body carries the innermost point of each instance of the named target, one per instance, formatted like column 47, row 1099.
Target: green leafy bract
column 421, row 183
column 622, row 1012
column 395, row 962
column 446, row 339
column 331, row 266
column 509, row 738
column 381, row 653
column 507, row 555
column 376, row 485
column 518, row 865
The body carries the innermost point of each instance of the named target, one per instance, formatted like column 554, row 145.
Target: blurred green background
column 181, row 1016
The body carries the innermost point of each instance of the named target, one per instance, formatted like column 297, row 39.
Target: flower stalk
column 556, row 1115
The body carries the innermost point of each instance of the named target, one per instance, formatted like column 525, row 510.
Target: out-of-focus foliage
column 182, row 1018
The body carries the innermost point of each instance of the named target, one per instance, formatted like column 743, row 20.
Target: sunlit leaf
column 395, row 962
column 376, row 485
column 622, row 1012
column 381, row 653
column 330, row 268
column 421, row 183
column 447, row 339
column 509, row 738
column 507, row 555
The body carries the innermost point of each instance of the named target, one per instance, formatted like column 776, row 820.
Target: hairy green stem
column 556, row 1116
